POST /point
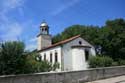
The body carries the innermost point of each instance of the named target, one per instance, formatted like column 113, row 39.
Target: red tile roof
column 61, row 42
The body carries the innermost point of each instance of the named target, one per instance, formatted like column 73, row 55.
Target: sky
column 20, row 19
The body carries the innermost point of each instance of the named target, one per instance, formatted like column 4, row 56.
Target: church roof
column 61, row 42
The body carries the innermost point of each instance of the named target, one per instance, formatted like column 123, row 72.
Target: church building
column 71, row 54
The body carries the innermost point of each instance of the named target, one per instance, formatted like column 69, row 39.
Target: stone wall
column 65, row 77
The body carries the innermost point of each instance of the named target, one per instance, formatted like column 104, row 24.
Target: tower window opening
column 42, row 29
column 45, row 29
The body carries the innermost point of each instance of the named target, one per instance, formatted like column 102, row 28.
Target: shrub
column 12, row 58
column 100, row 61
column 35, row 64
column 121, row 62
column 115, row 63
column 15, row 60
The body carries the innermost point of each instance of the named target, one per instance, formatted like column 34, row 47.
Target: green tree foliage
column 100, row 61
column 15, row 60
column 87, row 32
column 110, row 37
column 12, row 58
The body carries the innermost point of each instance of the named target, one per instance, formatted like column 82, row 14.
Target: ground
column 119, row 79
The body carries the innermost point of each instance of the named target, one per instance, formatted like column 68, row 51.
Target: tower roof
column 44, row 24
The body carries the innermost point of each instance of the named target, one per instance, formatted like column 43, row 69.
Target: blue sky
column 20, row 19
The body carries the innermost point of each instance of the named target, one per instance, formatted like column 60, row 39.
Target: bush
column 121, row 62
column 115, row 63
column 100, row 61
column 12, row 58
column 15, row 60
column 35, row 64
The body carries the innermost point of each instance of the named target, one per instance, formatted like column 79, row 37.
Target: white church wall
column 67, row 52
column 53, row 51
column 78, row 59
column 67, row 57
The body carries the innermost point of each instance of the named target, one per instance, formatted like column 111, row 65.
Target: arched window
column 56, row 57
column 44, row 57
column 51, row 57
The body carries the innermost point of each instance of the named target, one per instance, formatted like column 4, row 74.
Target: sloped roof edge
column 60, row 43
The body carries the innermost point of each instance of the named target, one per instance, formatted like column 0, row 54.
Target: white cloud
column 32, row 44
column 64, row 7
column 13, row 3
column 8, row 5
column 10, row 30
column 31, row 47
column 33, row 39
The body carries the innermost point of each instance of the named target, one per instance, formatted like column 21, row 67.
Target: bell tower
column 44, row 38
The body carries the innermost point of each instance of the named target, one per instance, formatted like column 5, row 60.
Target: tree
column 12, row 58
column 15, row 60
column 90, row 33
column 111, row 37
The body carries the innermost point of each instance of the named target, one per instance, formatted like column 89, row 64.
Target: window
column 56, row 57
column 40, row 58
column 51, row 57
column 44, row 57
column 80, row 42
column 86, row 55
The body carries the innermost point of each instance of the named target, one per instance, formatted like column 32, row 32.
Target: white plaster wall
column 67, row 52
column 52, row 50
column 43, row 41
column 78, row 59
column 67, row 57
